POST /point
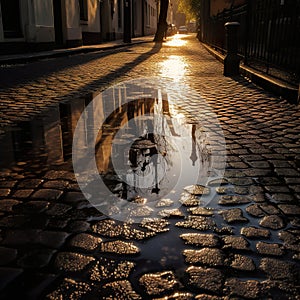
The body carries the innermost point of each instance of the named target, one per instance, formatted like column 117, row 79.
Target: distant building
column 27, row 25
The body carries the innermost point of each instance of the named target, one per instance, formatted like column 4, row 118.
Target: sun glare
column 176, row 41
column 174, row 67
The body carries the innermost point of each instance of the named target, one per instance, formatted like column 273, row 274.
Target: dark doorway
column 58, row 26
column 11, row 18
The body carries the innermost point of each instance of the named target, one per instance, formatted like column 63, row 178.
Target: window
column 83, row 6
column 11, row 18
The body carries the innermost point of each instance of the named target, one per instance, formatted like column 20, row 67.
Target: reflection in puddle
column 45, row 140
column 134, row 146
column 136, row 149
column 157, row 150
column 145, row 147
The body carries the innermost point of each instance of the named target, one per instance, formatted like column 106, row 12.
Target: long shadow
column 115, row 74
column 19, row 74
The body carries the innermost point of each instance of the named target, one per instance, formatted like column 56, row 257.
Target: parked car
column 171, row 29
column 182, row 30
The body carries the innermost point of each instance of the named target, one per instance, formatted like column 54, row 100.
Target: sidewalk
column 28, row 57
column 270, row 83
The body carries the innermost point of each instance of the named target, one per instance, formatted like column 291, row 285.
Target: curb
column 269, row 83
column 25, row 58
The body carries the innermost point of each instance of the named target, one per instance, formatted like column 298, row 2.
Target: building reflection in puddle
column 46, row 139
column 40, row 139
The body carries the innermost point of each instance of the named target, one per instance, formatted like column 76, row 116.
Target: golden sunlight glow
column 176, row 41
column 173, row 67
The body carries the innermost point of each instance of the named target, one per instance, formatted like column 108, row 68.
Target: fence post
column 232, row 61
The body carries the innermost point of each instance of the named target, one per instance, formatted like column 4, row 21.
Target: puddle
column 136, row 143
column 46, row 139
column 132, row 145
column 140, row 154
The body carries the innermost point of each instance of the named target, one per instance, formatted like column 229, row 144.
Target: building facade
column 27, row 25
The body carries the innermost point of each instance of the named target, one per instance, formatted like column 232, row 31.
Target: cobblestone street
column 55, row 245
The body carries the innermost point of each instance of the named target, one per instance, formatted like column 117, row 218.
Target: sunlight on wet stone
column 218, row 182
column 176, row 41
column 202, row 211
column 250, row 289
column 255, row 210
column 110, row 228
column 171, row 213
column 205, row 256
column 85, row 242
column 187, row 199
column 233, row 200
column 119, row 247
column 274, row 222
column 278, row 269
column 235, row 242
column 178, row 296
column 173, row 67
column 200, row 239
column 270, row 249
column 254, row 232
column 207, row 297
column 197, row 222
column 121, row 290
column 244, row 263
column 156, row 283
column 205, row 278
column 155, row 224
column 72, row 262
column 197, row 190
column 143, row 211
column 69, row 289
column 109, row 269
column 164, row 202
column 234, row 215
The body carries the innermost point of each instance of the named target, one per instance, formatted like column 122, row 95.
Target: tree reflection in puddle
column 149, row 165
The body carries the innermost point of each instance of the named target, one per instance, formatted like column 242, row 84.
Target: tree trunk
column 162, row 25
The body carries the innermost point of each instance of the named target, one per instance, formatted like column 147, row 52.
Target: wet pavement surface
column 232, row 236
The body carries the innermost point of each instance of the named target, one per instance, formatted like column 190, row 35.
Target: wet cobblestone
column 54, row 245
column 86, row 242
column 207, row 279
column 158, row 283
column 72, row 262
column 199, row 239
column 242, row 262
column 235, row 242
column 206, row 256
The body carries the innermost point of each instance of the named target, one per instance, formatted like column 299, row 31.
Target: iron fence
column 269, row 35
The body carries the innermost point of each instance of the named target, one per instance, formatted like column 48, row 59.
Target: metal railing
column 268, row 37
